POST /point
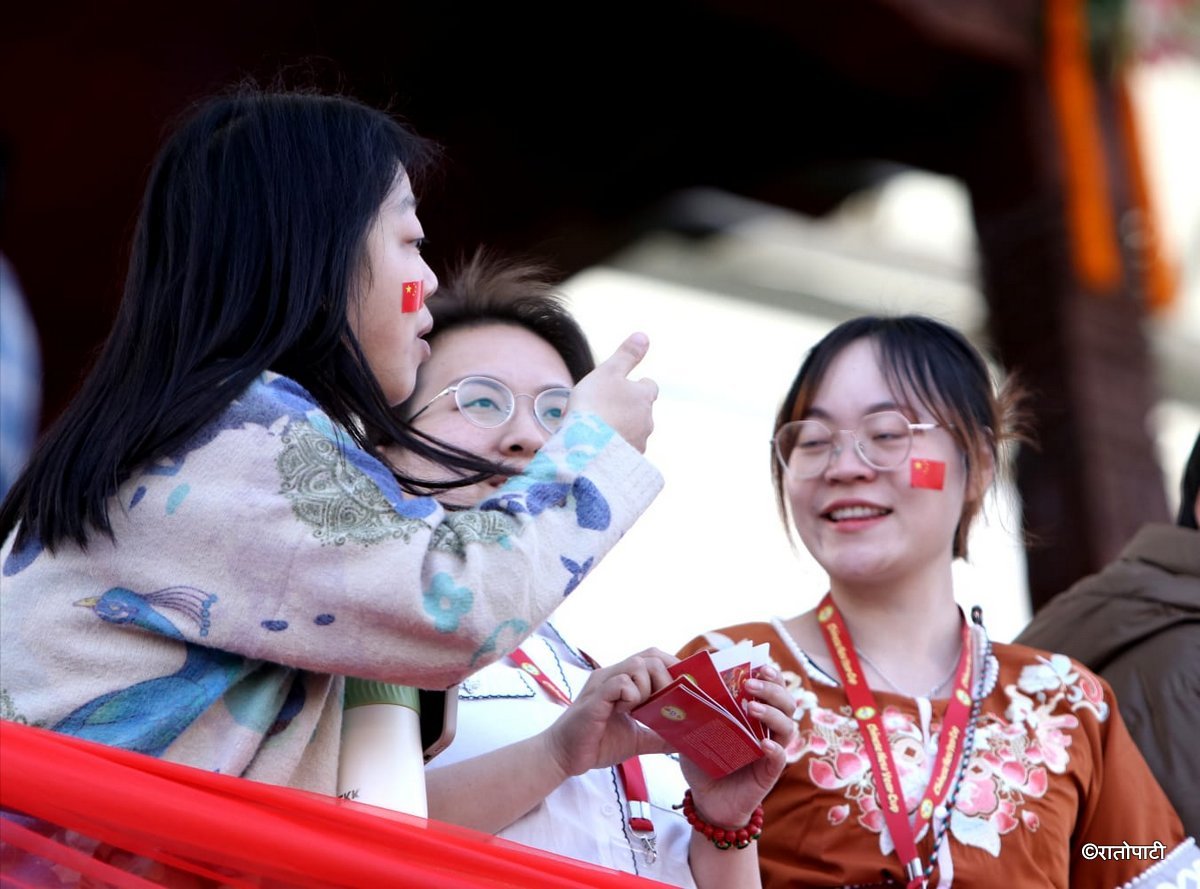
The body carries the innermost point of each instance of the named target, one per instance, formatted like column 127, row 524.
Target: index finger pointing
column 629, row 354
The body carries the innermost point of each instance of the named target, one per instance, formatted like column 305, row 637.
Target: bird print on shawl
column 147, row 716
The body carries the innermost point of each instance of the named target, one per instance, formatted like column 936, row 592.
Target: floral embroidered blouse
column 1054, row 792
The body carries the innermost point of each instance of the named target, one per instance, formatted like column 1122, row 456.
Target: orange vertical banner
column 1095, row 252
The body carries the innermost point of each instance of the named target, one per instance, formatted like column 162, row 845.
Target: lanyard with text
column 875, row 740
column 631, row 769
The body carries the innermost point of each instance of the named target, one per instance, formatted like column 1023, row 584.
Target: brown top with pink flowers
column 1051, row 790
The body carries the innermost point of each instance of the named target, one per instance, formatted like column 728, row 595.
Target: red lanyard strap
column 522, row 660
column 635, row 792
column 888, row 789
column 632, row 776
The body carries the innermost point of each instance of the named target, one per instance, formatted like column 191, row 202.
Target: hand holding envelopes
column 703, row 711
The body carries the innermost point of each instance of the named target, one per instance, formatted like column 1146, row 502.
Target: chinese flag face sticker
column 927, row 474
column 413, row 296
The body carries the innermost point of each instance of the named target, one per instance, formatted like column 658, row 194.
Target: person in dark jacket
column 1137, row 624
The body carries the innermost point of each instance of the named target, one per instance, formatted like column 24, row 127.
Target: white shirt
column 585, row 816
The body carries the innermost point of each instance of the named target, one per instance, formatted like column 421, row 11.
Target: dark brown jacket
column 1137, row 623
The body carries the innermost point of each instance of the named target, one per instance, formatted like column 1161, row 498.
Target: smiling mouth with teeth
column 856, row 512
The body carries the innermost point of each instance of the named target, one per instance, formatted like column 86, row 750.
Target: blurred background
column 734, row 179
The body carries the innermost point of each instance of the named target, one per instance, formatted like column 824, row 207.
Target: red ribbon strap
column 888, row 789
column 631, row 772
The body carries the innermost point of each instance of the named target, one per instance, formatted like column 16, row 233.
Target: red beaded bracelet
column 721, row 837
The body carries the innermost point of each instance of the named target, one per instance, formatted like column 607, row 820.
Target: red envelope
column 699, row 715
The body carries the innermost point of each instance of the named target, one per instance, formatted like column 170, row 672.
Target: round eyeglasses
column 883, row 441
column 489, row 403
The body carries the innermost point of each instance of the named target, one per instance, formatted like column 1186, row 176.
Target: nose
column 523, row 434
column 430, row 280
column 845, row 460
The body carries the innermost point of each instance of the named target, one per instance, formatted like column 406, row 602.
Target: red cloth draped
column 152, row 822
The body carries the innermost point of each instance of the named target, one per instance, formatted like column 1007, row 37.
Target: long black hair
column 249, row 246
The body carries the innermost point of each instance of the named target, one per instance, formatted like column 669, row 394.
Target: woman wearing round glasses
column 487, row 403
column 545, row 752
column 926, row 754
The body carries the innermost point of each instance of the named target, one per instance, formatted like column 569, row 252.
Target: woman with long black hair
column 204, row 543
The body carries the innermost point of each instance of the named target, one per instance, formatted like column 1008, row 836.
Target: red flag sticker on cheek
column 413, row 296
column 928, row 474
